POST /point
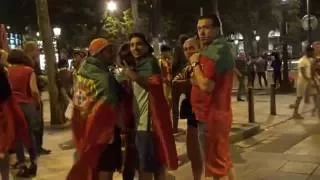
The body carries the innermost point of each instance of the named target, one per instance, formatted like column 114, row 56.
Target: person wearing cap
column 154, row 135
column 96, row 101
column 212, row 82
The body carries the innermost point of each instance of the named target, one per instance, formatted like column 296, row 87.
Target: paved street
column 254, row 157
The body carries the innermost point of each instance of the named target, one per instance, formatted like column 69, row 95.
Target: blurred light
column 236, row 42
column 8, row 27
column 258, row 38
column 57, row 31
column 38, row 34
column 111, row 6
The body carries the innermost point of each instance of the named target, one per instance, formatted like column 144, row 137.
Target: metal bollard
column 251, row 105
column 273, row 107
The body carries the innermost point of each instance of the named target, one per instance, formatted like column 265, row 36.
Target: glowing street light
column 57, row 31
column 112, row 6
column 258, row 38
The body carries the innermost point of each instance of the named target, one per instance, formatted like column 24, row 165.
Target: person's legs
column 110, row 159
column 175, row 108
column 4, row 167
column 130, row 160
column 149, row 164
column 264, row 75
column 241, row 87
column 193, row 149
column 161, row 174
column 259, row 78
column 202, row 137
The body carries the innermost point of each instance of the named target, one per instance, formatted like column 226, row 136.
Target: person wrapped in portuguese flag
column 154, row 135
column 94, row 122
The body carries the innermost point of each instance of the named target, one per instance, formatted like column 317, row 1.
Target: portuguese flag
column 218, row 161
column 159, row 112
column 96, row 102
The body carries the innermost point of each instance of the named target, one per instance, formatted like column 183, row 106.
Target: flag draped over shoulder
column 220, row 115
column 96, row 101
column 159, row 112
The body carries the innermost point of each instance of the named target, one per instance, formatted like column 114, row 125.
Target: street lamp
column 258, row 44
column 286, row 85
column 112, row 6
column 57, row 33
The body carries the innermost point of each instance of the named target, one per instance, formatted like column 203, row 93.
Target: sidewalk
column 57, row 165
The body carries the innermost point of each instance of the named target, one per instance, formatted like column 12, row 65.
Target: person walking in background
column 276, row 66
column 24, row 87
column 64, row 84
column 165, row 63
column 303, row 80
column 32, row 51
column 179, row 62
column 261, row 68
column 251, row 71
column 241, row 65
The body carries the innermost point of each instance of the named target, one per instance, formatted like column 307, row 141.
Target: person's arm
column 133, row 76
column 304, row 73
column 204, row 83
column 237, row 72
column 34, row 88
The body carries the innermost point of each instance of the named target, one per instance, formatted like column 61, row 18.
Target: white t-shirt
column 305, row 63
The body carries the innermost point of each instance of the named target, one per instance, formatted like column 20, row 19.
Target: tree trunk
column 156, row 17
column 47, row 38
column 216, row 11
column 135, row 14
column 248, row 42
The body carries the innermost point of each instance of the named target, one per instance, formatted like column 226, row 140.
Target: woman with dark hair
column 25, row 91
column 12, row 124
column 154, row 135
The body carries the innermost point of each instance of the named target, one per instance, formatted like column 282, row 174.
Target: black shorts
column 111, row 158
column 186, row 113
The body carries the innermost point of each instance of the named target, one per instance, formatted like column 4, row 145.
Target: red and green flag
column 96, row 101
column 219, row 120
column 159, row 112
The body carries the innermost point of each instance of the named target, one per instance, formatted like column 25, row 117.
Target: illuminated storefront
column 14, row 39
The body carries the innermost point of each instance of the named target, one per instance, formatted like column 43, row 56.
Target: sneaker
column 44, row 151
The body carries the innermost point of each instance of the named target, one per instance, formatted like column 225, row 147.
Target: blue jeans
column 33, row 120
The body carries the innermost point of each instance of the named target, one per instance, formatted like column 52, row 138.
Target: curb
column 244, row 132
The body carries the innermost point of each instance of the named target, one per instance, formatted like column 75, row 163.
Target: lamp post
column 286, row 85
column 57, row 33
column 258, row 44
column 309, row 22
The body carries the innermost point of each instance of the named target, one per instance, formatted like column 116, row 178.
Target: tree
column 47, row 38
column 118, row 27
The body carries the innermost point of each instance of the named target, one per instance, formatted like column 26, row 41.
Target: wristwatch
column 194, row 64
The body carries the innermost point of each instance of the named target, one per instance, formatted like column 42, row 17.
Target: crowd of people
column 129, row 99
